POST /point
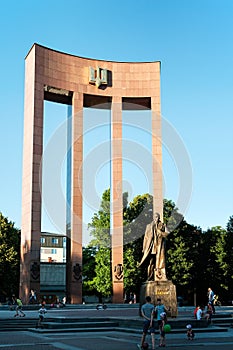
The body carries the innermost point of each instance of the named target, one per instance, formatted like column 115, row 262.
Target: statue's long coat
column 154, row 243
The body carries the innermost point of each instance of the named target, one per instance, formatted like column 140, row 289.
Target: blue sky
column 192, row 39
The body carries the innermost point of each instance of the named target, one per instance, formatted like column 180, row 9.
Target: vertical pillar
column 157, row 157
column 117, row 205
column 31, row 191
column 74, row 263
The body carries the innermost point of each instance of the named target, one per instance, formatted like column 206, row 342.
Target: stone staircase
column 221, row 322
column 17, row 324
column 77, row 325
column 104, row 325
column 59, row 324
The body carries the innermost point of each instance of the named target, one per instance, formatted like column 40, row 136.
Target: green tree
column 101, row 282
column 88, row 271
column 182, row 255
column 135, row 217
column 9, row 257
column 213, row 246
column 182, row 252
column 215, row 264
column 229, row 257
column 100, row 224
column 171, row 216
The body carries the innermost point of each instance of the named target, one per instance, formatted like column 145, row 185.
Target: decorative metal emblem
column 98, row 76
column 77, row 272
column 35, row 270
column 118, row 271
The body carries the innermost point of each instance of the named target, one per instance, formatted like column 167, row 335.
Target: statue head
column 156, row 216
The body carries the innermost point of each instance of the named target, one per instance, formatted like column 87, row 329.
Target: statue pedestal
column 165, row 290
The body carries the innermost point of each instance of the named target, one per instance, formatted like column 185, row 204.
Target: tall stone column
column 74, row 244
column 31, row 191
column 117, row 205
column 157, row 174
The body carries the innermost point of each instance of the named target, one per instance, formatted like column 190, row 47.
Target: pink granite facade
column 46, row 72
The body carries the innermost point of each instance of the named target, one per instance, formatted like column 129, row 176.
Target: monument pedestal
column 165, row 290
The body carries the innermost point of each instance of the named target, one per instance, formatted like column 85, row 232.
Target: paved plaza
column 113, row 340
column 110, row 340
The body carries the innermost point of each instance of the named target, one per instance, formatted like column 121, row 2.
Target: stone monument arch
column 81, row 82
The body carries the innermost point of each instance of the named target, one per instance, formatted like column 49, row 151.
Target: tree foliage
column 99, row 278
column 137, row 214
column 9, row 257
column 100, row 223
column 102, row 280
column 88, row 271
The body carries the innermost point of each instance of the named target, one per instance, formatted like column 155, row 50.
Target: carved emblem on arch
column 35, row 270
column 77, row 272
column 118, row 271
column 98, row 76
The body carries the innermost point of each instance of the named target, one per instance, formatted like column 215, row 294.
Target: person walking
column 211, row 297
column 19, row 307
column 163, row 321
column 160, row 313
column 190, row 333
column 209, row 313
column 147, row 312
column 159, row 309
column 42, row 311
column 32, row 297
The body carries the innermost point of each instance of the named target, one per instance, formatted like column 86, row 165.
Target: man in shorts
column 147, row 312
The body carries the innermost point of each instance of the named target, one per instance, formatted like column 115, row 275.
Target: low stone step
column 178, row 330
column 84, row 325
column 222, row 315
column 222, row 322
column 228, row 325
column 78, row 319
column 125, row 330
column 174, row 323
column 69, row 330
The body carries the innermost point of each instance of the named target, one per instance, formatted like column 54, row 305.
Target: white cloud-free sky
column 192, row 39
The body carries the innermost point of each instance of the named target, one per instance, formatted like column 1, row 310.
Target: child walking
column 163, row 321
column 42, row 311
column 190, row 333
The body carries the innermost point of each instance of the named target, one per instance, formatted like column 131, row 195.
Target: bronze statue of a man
column 154, row 249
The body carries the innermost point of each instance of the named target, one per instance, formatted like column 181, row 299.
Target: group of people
column 15, row 303
column 130, row 298
column 200, row 312
column 149, row 313
column 18, row 305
